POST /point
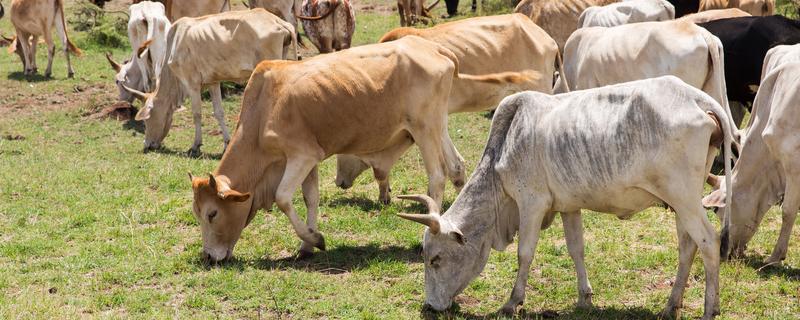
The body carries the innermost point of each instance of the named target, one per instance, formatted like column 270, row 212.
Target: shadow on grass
column 757, row 262
column 594, row 313
column 185, row 154
column 362, row 203
column 20, row 76
column 134, row 125
column 338, row 260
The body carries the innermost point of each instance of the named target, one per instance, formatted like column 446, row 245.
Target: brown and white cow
column 493, row 44
column 241, row 39
column 559, row 18
column 768, row 170
column 328, row 23
column 177, row 9
column 716, row 14
column 36, row 18
column 296, row 114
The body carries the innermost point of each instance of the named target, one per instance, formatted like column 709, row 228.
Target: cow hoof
column 49, row 75
column 193, row 152
column 507, row 310
column 385, row 200
column 319, row 241
column 71, row 75
column 670, row 313
column 304, row 254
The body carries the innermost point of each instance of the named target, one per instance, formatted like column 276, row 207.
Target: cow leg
column 531, row 214
column 400, row 10
column 455, row 162
column 51, row 52
column 573, row 231
column 383, row 165
column 311, row 198
column 197, row 116
column 298, row 169
column 430, row 148
column 686, row 251
column 791, row 202
column 219, row 114
column 695, row 222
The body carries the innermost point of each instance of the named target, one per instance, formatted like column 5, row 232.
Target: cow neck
column 756, row 180
column 169, row 89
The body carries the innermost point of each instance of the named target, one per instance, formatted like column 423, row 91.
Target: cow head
column 222, row 213
column 451, row 260
column 128, row 75
column 156, row 113
column 348, row 168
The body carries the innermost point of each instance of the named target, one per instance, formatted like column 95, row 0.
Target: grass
column 91, row 227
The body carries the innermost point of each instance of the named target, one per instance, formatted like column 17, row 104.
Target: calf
column 558, row 18
column 626, row 12
column 768, row 170
column 241, row 39
column 617, row 149
column 329, row 23
column 35, row 18
column 506, row 43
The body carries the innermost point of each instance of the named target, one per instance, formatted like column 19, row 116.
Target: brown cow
column 296, row 114
column 329, row 23
column 753, row 7
column 36, row 18
column 716, row 14
column 559, row 18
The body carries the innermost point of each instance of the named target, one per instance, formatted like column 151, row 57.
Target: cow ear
column 144, row 48
column 234, row 196
column 715, row 199
column 143, row 113
column 458, row 237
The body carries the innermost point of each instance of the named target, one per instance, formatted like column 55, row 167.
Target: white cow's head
column 156, row 113
column 222, row 213
column 451, row 260
column 128, row 75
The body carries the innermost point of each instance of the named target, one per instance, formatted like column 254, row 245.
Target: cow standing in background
column 241, row 39
column 753, row 7
column 329, row 24
column 618, row 149
column 36, row 18
column 711, row 15
column 626, row 12
column 768, row 170
column 177, row 9
column 288, row 10
column 559, row 18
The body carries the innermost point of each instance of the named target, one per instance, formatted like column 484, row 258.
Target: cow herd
column 601, row 105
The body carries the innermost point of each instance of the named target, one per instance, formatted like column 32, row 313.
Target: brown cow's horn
column 430, row 220
column 113, row 63
column 433, row 207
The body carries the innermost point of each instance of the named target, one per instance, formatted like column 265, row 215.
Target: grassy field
column 91, row 227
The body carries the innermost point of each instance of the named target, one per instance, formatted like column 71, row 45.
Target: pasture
column 92, row 227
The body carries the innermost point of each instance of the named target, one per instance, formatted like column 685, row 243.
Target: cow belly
column 622, row 202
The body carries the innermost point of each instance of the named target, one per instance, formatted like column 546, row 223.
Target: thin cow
column 296, row 114
column 35, row 18
column 768, row 171
column 559, row 18
column 616, row 149
column 626, row 12
column 241, row 39
column 505, row 43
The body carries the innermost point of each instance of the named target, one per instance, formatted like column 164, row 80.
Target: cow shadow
column 455, row 312
column 363, row 203
column 134, row 125
column 185, row 154
column 770, row 271
column 20, row 76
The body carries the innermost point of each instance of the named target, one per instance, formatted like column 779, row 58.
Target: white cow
column 626, row 12
column 617, row 149
column 779, row 55
column 768, row 169
column 241, row 39
column 597, row 56
column 148, row 24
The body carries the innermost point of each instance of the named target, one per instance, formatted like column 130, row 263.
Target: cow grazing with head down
column 242, row 39
column 148, row 24
column 746, row 41
column 768, row 171
column 505, row 43
column 617, row 149
column 296, row 114
column 711, row 15
column 626, row 12
column 559, row 18
column 36, row 18
column 329, row 24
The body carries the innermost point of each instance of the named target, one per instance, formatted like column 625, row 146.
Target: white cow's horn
column 430, row 220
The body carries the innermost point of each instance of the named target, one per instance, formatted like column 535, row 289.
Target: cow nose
column 343, row 184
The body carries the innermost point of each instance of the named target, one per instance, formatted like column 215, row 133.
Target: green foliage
column 102, row 29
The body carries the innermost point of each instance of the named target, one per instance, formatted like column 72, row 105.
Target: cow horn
column 433, row 207
column 113, row 63
column 430, row 220
column 140, row 95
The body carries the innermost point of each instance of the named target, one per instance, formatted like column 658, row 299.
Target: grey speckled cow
column 617, row 149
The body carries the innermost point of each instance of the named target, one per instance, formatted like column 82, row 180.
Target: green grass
column 91, row 227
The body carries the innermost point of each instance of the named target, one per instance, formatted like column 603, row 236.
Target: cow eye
column 212, row 215
column 435, row 261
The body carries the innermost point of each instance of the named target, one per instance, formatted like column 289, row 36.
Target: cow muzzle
column 344, row 184
column 150, row 146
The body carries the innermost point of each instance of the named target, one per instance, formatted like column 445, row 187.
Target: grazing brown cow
column 329, row 23
column 296, row 114
column 753, row 7
column 559, row 18
column 36, row 18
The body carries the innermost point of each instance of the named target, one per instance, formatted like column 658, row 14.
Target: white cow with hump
column 147, row 30
column 617, row 149
column 631, row 11
column 768, row 170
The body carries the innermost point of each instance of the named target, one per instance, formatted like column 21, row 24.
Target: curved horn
column 433, row 207
column 113, row 63
column 334, row 4
column 430, row 220
column 137, row 93
column 433, row 5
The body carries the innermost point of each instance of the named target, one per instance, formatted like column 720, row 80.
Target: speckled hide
column 329, row 23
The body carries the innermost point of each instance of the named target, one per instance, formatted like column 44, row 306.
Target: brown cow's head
column 222, row 213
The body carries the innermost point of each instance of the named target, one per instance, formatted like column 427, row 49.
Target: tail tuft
column 74, row 49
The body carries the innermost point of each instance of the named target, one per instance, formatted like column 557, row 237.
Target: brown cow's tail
column 62, row 26
column 504, row 77
column 335, row 3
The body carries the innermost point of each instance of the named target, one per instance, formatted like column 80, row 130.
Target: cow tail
column 563, row 86
column 62, row 26
column 717, row 78
column 727, row 129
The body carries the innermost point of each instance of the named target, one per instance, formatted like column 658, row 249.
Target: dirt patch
column 120, row 111
column 24, row 102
